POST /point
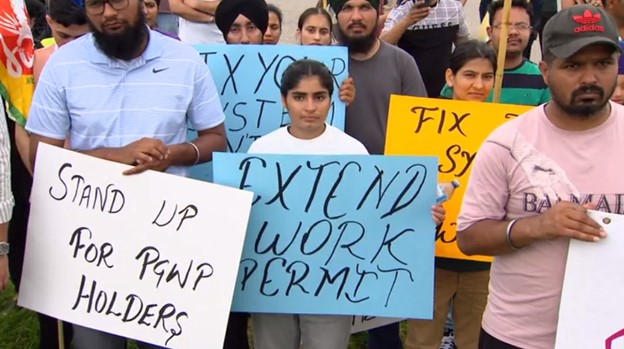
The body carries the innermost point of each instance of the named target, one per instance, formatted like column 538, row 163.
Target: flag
column 17, row 50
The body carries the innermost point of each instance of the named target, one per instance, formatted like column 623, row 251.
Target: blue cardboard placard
column 248, row 79
column 344, row 234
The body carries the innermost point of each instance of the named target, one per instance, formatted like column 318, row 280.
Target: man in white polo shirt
column 197, row 21
column 124, row 94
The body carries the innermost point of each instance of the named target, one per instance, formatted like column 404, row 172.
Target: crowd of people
column 531, row 184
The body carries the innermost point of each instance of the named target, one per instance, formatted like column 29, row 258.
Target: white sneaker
column 448, row 342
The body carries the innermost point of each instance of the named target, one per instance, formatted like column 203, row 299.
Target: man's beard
column 582, row 111
column 358, row 44
column 125, row 44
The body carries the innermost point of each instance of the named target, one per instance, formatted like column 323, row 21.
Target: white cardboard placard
column 152, row 256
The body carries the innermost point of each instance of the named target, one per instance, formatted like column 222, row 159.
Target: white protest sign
column 152, row 257
column 591, row 309
column 365, row 323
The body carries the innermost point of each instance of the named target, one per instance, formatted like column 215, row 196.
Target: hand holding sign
column 335, row 234
column 590, row 315
column 570, row 220
column 141, row 151
column 115, row 268
column 347, row 91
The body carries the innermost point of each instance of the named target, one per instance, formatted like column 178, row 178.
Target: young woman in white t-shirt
column 306, row 89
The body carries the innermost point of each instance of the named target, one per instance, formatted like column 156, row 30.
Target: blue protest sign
column 248, row 78
column 335, row 234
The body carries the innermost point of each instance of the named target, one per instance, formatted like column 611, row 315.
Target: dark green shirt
column 523, row 85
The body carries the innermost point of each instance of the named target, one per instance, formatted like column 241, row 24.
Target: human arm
column 4, row 260
column 439, row 214
column 347, row 91
column 6, row 197
column 141, row 151
column 182, row 9
column 401, row 18
column 209, row 7
column 564, row 220
column 22, row 140
column 22, row 144
column 204, row 114
column 463, row 33
column 185, row 154
column 150, row 153
column 483, row 222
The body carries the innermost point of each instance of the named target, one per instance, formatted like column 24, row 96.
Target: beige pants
column 469, row 291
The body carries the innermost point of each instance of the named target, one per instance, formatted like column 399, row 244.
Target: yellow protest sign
column 453, row 131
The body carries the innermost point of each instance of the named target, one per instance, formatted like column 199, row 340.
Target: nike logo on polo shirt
column 158, row 70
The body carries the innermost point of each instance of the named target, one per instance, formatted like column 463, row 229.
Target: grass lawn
column 19, row 328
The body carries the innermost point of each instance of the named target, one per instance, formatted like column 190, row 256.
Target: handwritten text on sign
column 248, row 79
column 155, row 265
column 335, row 234
column 590, row 315
column 454, row 131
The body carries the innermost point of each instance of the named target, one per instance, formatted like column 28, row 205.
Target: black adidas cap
column 576, row 27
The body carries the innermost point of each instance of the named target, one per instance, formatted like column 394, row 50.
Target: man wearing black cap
column 242, row 21
column 535, row 177
column 378, row 70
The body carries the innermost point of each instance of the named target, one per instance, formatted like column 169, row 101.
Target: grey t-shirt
column 390, row 71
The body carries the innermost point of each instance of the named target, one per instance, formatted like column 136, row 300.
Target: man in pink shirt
column 535, row 177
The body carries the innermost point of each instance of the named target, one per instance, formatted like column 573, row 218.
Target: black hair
column 277, row 11
column 304, row 68
column 36, row 12
column 314, row 11
column 497, row 5
column 548, row 57
column 469, row 50
column 66, row 13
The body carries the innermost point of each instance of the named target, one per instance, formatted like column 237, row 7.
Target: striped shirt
column 446, row 13
column 430, row 40
column 6, row 196
column 522, row 85
column 101, row 102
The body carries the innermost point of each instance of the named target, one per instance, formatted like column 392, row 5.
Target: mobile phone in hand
column 422, row 3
